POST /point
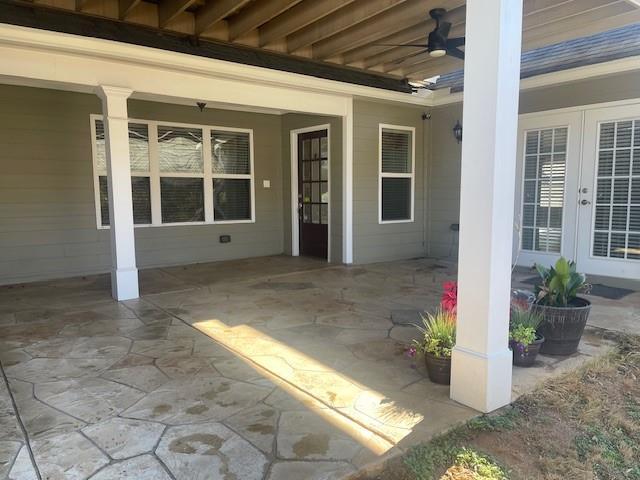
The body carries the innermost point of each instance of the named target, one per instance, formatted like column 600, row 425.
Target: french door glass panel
column 616, row 226
column 545, row 165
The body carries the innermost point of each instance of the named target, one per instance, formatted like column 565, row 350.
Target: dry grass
column 584, row 425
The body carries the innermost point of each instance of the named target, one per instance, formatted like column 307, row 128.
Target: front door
column 313, row 193
column 609, row 198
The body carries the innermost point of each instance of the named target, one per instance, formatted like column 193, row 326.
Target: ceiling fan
column 439, row 43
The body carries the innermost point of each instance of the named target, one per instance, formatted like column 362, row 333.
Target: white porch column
column 124, row 274
column 481, row 364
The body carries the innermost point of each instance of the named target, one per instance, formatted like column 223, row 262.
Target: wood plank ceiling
column 351, row 32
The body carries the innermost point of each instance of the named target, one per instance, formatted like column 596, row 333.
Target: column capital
column 108, row 91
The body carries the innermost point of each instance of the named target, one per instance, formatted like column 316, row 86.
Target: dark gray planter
column 562, row 327
column 526, row 356
column 438, row 368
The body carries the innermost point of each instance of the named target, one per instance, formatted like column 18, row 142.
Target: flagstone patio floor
column 269, row 368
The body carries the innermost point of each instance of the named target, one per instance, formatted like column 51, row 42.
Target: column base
column 124, row 284
column 481, row 381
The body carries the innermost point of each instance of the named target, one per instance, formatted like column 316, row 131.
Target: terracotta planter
column 563, row 326
column 438, row 368
column 527, row 356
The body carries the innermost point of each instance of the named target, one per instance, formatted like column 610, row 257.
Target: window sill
column 181, row 224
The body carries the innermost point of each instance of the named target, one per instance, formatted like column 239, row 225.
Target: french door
column 578, row 190
column 609, row 199
column 546, row 193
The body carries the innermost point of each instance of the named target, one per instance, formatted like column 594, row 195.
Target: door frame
column 295, row 222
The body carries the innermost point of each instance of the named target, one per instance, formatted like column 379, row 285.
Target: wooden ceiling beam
column 257, row 14
column 533, row 18
column 125, row 7
column 214, row 11
column 394, row 20
column 455, row 17
column 590, row 22
column 346, row 17
column 297, row 17
column 169, row 9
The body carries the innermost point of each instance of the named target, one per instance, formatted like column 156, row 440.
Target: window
column 397, row 174
column 140, row 176
column 181, row 174
column 231, row 171
column 545, row 160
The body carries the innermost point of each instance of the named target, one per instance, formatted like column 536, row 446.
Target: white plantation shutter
column 545, row 166
column 617, row 206
column 396, row 174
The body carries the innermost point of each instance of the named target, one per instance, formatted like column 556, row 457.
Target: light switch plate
column 266, row 183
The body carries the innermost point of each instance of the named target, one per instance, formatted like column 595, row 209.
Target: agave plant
column 560, row 284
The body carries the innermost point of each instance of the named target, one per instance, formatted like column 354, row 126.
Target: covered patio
column 274, row 367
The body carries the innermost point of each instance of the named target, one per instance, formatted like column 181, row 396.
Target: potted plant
column 524, row 340
column 438, row 339
column 565, row 314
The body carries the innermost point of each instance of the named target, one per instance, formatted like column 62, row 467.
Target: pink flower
column 449, row 299
column 411, row 352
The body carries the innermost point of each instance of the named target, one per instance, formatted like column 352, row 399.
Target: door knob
column 585, row 202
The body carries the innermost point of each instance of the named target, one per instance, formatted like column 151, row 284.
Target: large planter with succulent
column 565, row 314
column 524, row 340
column 436, row 342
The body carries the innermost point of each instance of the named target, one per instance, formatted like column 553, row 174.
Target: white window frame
column 411, row 175
column 154, row 173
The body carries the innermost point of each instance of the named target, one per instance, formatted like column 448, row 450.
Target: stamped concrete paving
column 270, row 368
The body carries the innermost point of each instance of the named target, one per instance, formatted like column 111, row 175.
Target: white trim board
column 295, row 221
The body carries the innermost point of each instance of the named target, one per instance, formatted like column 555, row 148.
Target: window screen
column 182, row 199
column 396, row 175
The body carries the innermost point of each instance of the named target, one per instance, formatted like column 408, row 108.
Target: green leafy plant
column 560, row 284
column 438, row 333
column 523, row 325
column 522, row 334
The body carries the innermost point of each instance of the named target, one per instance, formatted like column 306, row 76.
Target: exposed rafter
column 257, row 14
column 395, row 19
column 297, row 17
column 169, row 9
column 215, row 11
column 346, row 17
column 125, row 7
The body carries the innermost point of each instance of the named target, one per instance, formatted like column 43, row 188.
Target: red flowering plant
column 449, row 299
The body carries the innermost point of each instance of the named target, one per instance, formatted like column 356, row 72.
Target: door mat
column 597, row 289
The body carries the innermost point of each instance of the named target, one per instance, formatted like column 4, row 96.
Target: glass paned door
column 313, row 193
column 546, row 187
column 609, row 211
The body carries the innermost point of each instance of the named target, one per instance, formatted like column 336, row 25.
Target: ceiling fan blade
column 455, row 42
column 420, row 45
column 455, row 52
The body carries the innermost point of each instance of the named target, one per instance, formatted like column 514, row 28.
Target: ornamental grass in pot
column 437, row 341
column 524, row 340
column 565, row 314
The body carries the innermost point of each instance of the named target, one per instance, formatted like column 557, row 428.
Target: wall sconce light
column 457, row 131
column 201, row 105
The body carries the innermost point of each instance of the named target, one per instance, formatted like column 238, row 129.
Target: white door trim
column 295, row 223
